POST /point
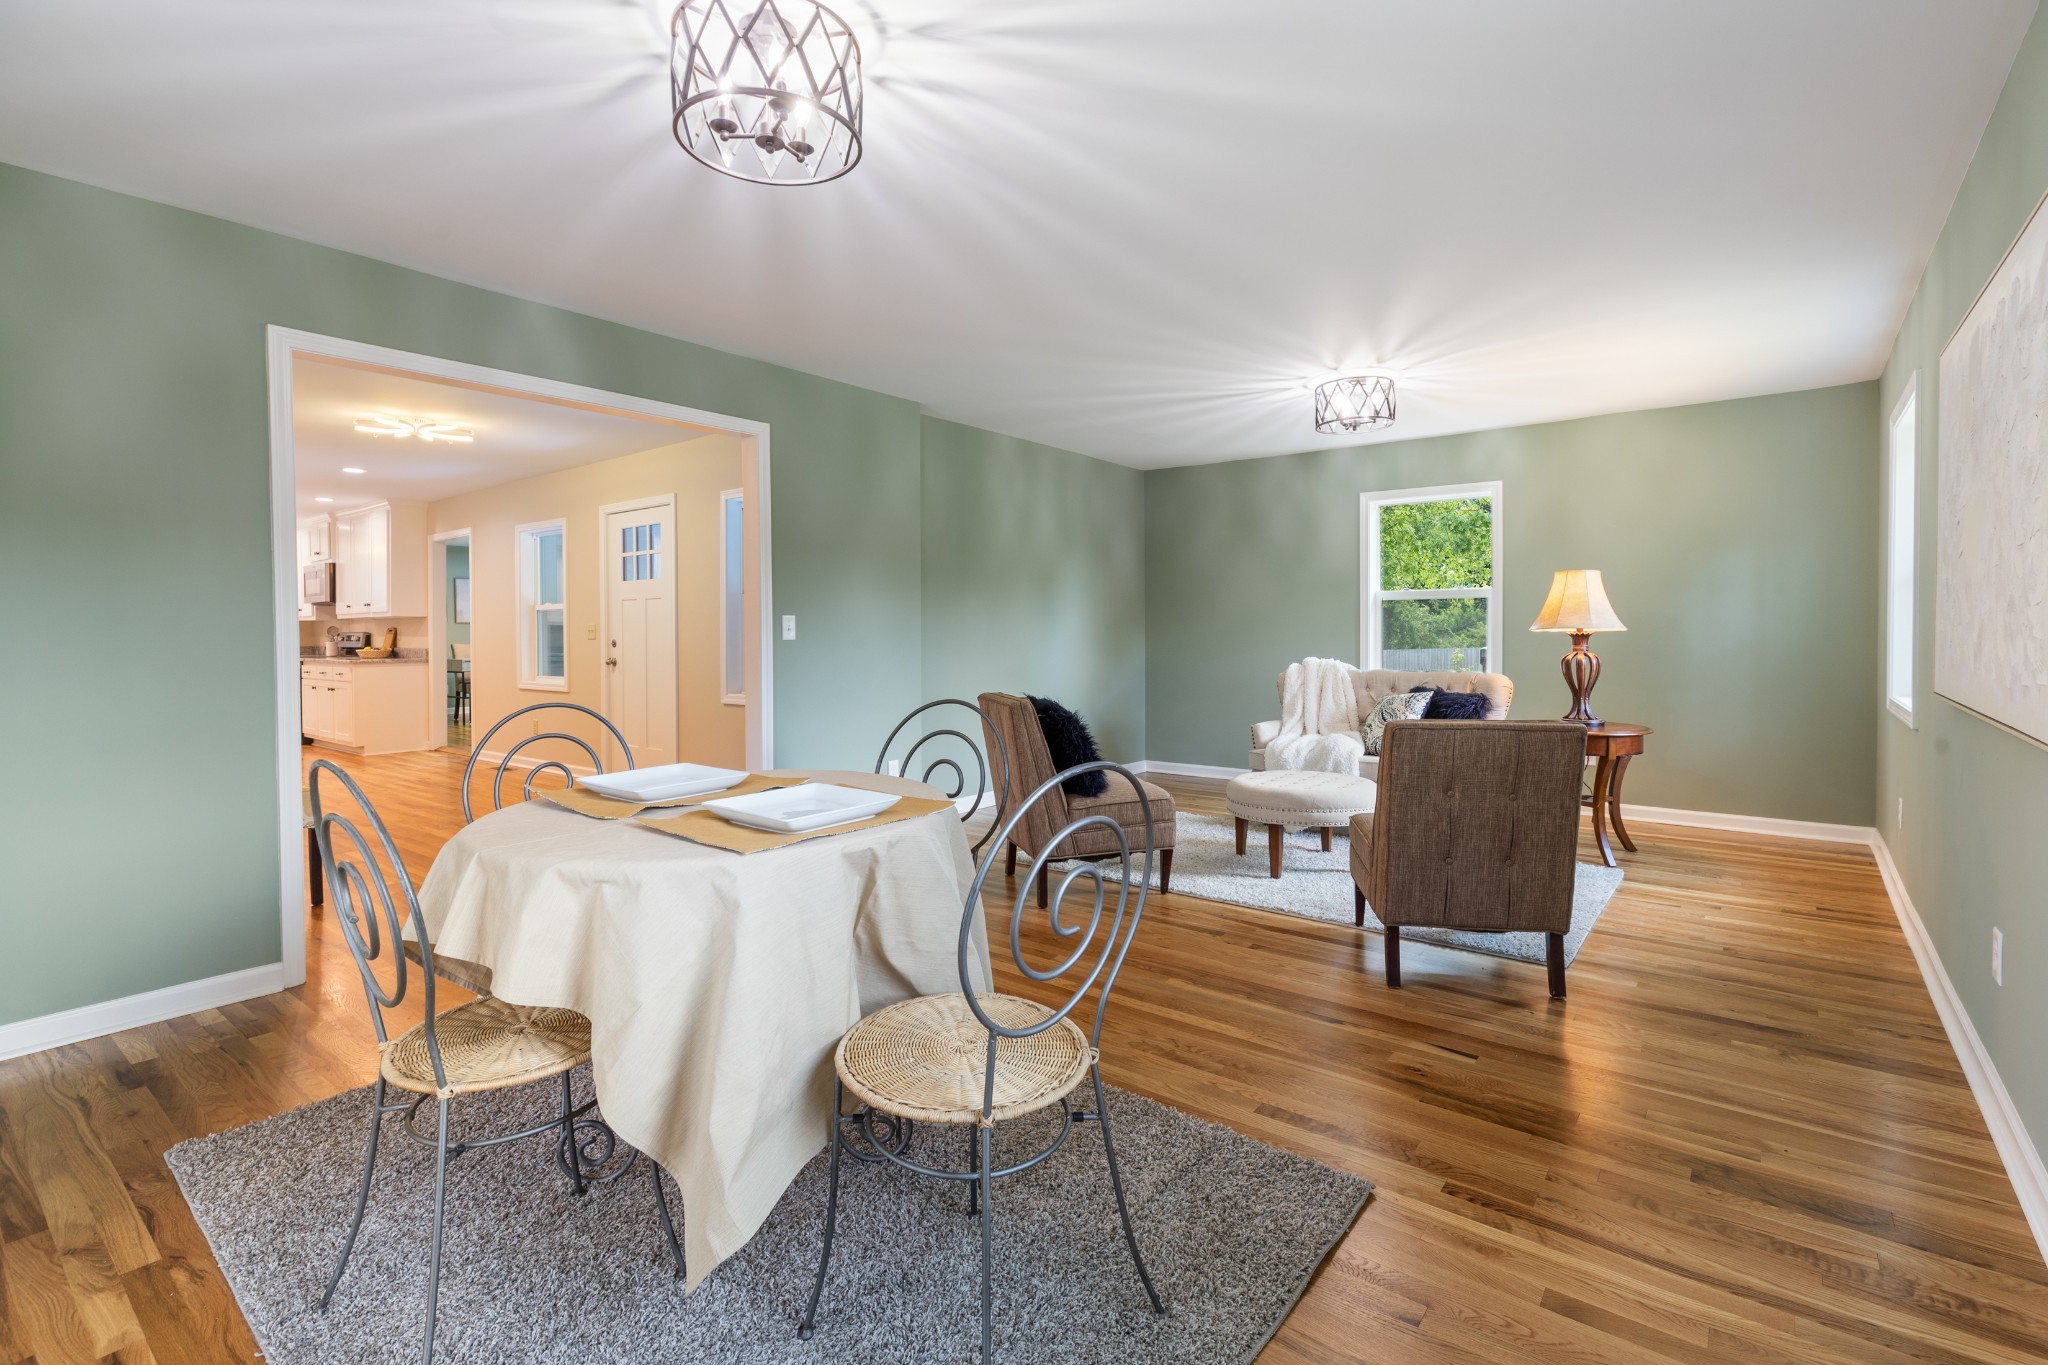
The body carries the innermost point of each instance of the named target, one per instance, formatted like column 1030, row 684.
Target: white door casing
column 637, row 556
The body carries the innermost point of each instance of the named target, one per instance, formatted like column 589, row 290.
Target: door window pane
column 733, row 578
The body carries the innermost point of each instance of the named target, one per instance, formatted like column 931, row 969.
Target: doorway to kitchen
column 454, row 543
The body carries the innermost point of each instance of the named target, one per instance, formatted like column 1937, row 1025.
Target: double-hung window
column 1430, row 589
column 543, row 607
column 1898, row 595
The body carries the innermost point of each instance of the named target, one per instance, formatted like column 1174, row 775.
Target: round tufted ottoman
column 1295, row 800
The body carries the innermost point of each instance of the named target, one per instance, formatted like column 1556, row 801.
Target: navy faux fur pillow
column 1446, row 705
column 1068, row 740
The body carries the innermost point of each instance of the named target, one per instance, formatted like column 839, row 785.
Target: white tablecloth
column 716, row 983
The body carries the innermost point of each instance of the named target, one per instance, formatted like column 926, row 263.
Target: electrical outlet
column 1901, row 822
column 789, row 627
column 1997, row 958
column 895, row 767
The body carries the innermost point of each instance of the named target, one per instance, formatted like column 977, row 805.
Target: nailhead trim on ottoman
column 1299, row 800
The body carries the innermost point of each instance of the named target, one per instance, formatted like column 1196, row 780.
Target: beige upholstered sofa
column 1373, row 683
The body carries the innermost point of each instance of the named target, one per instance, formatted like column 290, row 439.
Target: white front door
column 640, row 628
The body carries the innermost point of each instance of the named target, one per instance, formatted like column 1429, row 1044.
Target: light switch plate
column 789, row 627
column 1997, row 957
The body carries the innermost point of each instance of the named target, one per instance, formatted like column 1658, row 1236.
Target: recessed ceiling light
column 351, row 469
column 323, row 500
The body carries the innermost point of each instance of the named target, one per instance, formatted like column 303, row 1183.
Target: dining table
column 717, row 984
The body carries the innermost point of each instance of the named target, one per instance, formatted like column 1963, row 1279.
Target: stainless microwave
column 316, row 587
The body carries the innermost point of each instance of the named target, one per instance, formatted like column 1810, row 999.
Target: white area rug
column 1317, row 885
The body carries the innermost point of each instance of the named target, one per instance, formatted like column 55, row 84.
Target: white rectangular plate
column 799, row 810
column 664, row 783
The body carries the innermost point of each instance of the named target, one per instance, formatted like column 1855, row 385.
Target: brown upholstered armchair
column 1476, row 828
column 1031, row 766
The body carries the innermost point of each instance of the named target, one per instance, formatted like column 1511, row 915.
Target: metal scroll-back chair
column 945, row 759
column 904, row 1066
column 474, row 1048
column 537, row 765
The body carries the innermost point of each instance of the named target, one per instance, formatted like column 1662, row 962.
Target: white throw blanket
column 1318, row 720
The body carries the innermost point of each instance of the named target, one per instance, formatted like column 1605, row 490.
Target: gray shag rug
column 1232, row 1229
column 1317, row 885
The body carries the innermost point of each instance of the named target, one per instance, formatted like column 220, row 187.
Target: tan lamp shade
column 1577, row 603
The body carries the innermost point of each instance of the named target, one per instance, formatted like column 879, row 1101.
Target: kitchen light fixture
column 351, row 469
column 402, row 427
column 766, row 90
column 1365, row 400
column 323, row 500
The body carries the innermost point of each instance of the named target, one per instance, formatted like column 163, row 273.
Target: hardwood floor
column 1743, row 1138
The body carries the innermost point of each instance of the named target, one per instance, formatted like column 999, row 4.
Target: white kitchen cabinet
column 315, row 546
column 364, row 707
column 380, row 557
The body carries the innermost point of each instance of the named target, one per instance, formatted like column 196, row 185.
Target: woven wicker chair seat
column 489, row 1044
column 926, row 1059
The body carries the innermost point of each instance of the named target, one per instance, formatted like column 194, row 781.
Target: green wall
column 1034, row 578
column 1736, row 540
column 1970, row 847
column 135, row 506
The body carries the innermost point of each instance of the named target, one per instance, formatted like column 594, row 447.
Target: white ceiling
column 516, row 437
column 1130, row 229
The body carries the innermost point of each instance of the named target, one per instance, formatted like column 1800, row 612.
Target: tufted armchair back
column 1477, row 825
column 1016, row 720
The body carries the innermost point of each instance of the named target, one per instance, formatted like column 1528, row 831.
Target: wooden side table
column 1611, row 744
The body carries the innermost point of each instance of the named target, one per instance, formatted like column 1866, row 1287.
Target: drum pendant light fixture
column 1359, row 401
column 766, row 90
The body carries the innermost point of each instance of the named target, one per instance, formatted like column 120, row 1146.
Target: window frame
column 1901, row 554
column 526, row 550
column 727, row 645
column 1371, row 596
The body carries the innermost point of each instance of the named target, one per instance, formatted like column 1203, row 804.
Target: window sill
column 734, row 699
column 1905, row 714
column 543, row 684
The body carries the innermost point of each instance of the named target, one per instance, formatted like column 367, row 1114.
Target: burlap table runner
column 715, row 831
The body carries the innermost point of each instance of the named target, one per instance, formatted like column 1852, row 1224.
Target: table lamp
column 1578, row 604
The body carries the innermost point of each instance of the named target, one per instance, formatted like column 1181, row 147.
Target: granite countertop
column 313, row 655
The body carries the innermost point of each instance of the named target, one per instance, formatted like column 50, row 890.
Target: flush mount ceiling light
column 1365, row 400
column 402, row 427
column 766, row 90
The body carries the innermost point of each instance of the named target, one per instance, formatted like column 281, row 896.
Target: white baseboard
column 495, row 758
column 1749, row 824
column 1154, row 765
column 2023, row 1162
column 133, row 1011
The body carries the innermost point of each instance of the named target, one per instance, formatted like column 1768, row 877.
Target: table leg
column 1241, row 823
column 1614, row 802
column 1326, row 838
column 1602, row 775
column 1274, row 834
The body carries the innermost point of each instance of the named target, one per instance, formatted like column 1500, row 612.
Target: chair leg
column 1555, row 956
column 1326, row 838
column 1242, row 830
column 1165, row 870
column 668, row 1223
column 315, row 879
column 1116, row 1183
column 1010, row 861
column 348, row 1243
column 1393, row 957
column 1358, row 905
column 1044, row 877
column 974, row 1166
column 809, row 1323
column 988, row 1250
column 434, row 1253
column 1274, row 835
column 570, row 1159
